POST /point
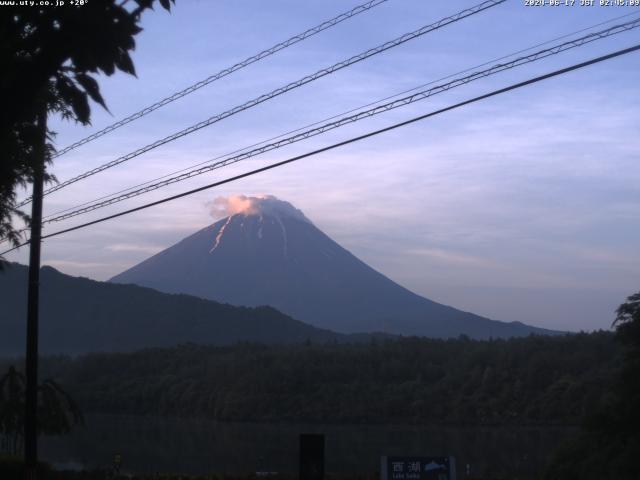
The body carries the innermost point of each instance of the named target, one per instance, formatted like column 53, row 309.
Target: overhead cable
column 279, row 91
column 365, row 7
column 332, row 117
column 515, row 86
column 401, row 102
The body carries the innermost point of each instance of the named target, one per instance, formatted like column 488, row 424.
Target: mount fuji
column 267, row 252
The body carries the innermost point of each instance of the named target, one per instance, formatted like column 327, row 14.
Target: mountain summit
column 267, row 252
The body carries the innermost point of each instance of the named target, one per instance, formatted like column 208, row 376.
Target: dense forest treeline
column 533, row 380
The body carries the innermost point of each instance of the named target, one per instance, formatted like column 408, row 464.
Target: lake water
column 152, row 444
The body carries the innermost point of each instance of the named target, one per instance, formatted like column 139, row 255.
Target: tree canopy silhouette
column 50, row 57
column 521, row 381
column 609, row 445
column 57, row 411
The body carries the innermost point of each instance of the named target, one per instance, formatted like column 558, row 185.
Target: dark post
column 311, row 457
column 30, row 419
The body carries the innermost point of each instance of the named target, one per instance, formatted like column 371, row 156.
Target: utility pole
column 33, row 297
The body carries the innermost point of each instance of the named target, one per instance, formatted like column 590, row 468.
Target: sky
column 524, row 207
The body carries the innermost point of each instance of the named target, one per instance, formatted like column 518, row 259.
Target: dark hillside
column 79, row 315
column 533, row 380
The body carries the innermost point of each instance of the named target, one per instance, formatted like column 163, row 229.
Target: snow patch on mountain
column 284, row 237
column 220, row 233
column 260, row 222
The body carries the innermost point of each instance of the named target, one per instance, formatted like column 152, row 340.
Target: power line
column 279, row 91
column 418, row 96
column 404, row 92
column 227, row 71
column 93, row 205
column 515, row 86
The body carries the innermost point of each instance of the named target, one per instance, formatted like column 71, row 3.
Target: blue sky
column 523, row 207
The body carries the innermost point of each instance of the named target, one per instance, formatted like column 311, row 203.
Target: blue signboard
column 418, row 468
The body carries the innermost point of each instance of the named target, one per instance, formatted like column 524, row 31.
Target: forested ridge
column 79, row 315
column 533, row 380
